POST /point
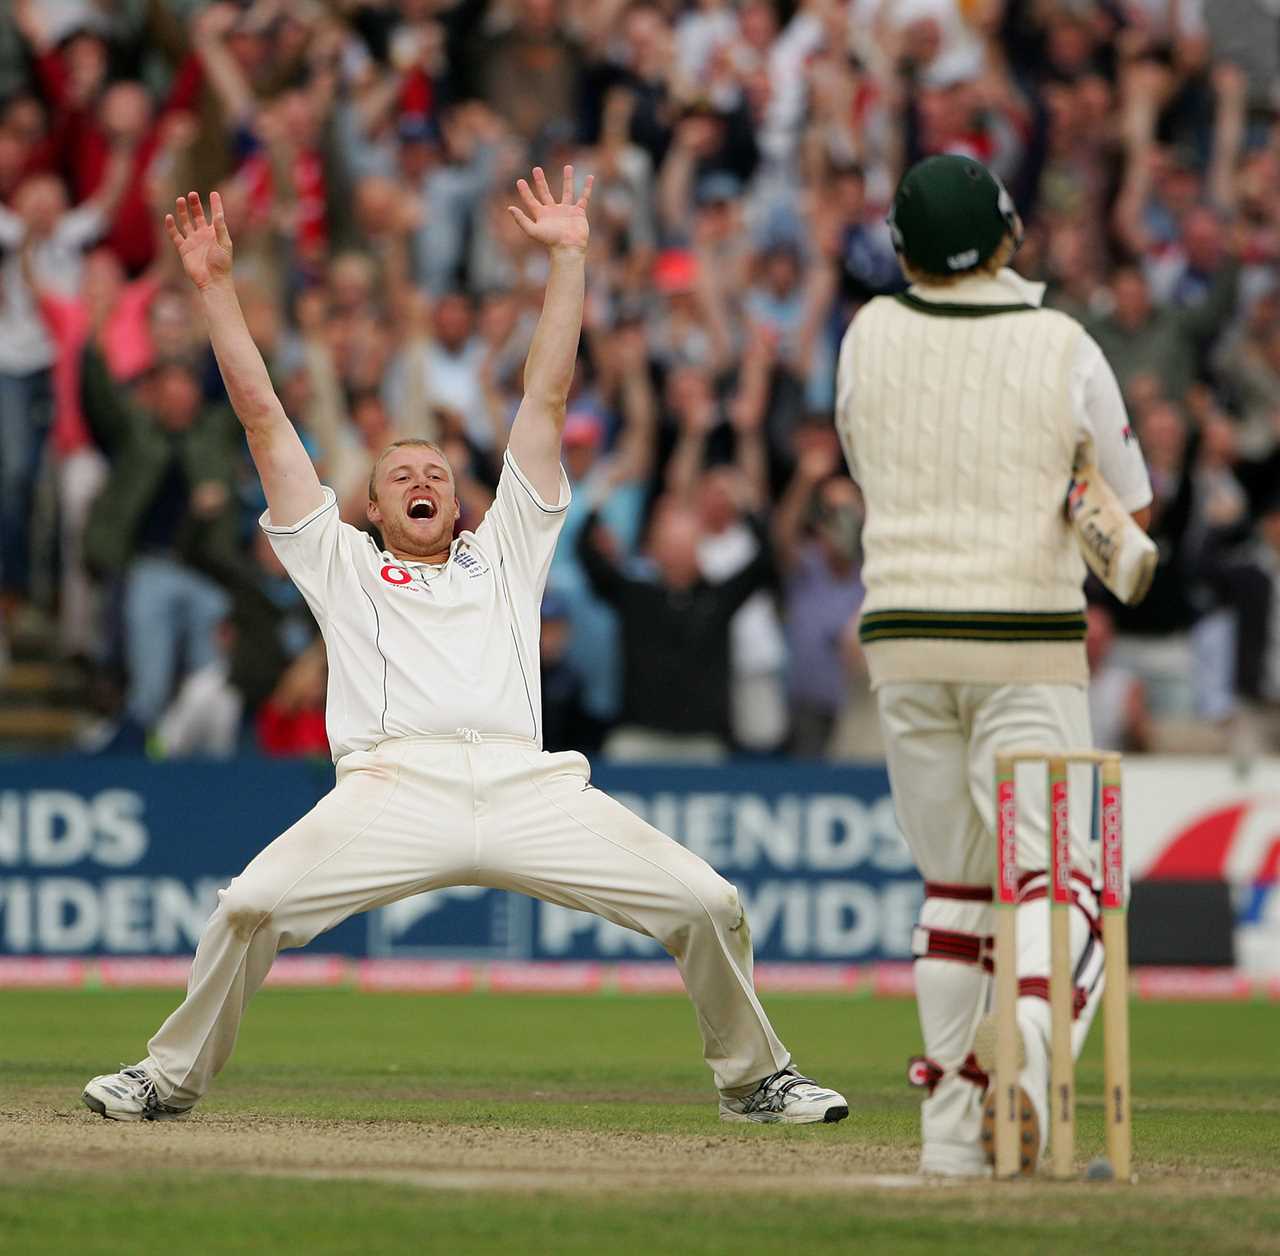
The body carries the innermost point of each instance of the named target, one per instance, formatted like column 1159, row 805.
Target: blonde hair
column 399, row 444
column 999, row 259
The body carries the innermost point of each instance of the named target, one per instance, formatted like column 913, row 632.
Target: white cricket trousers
column 941, row 742
column 422, row 813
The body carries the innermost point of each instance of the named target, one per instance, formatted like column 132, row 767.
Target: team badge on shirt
column 419, row 581
column 469, row 563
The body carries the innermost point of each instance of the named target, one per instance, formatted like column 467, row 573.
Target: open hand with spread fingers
column 203, row 246
column 554, row 224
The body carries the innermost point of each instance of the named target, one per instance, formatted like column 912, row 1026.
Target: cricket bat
column 1119, row 552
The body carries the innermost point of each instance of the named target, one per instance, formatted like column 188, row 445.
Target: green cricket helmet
column 949, row 215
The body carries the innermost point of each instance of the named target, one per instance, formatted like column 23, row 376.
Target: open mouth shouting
column 422, row 508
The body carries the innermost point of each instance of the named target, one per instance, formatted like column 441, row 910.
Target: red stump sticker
column 1006, row 842
column 1059, row 838
column 1112, row 849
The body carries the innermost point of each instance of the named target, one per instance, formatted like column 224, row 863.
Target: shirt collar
column 1002, row 288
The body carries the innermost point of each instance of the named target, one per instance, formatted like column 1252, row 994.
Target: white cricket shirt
column 417, row 649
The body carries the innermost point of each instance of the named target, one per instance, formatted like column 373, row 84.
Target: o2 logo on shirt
column 395, row 575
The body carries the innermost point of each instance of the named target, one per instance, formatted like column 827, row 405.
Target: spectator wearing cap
column 712, row 154
column 721, row 241
column 168, row 494
column 776, row 299
column 687, row 326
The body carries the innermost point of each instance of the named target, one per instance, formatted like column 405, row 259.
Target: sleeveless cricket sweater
column 956, row 419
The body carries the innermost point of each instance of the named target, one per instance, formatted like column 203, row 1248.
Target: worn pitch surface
column 357, row 1122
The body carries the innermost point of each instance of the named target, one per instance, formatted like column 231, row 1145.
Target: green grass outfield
column 354, row 1123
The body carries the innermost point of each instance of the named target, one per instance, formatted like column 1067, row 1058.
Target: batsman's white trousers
column 421, row 813
column 941, row 742
column 940, row 747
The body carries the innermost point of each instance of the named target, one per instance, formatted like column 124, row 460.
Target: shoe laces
column 771, row 1094
column 145, row 1083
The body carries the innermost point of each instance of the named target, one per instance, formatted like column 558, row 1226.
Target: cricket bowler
column 964, row 408
column 434, row 718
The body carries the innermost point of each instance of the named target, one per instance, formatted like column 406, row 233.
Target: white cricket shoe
column 788, row 1098
column 129, row 1095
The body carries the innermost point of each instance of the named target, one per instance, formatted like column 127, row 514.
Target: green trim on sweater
column 1009, row 626
column 955, row 309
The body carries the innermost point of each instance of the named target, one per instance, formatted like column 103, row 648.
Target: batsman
column 990, row 440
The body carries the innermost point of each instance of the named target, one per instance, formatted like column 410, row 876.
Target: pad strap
column 925, row 1074
column 964, row 948
column 971, row 1071
column 965, row 893
column 1031, row 889
column 1038, row 988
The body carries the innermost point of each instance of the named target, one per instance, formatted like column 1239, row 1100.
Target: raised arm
column 561, row 227
column 288, row 477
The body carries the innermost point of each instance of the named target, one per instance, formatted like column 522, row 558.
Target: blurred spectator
column 1247, row 579
column 1117, row 702
column 723, row 496
column 115, row 313
column 614, row 485
column 1173, row 642
column 1252, row 368
column 46, row 239
column 816, row 535
column 203, row 720
column 530, row 69
column 168, row 493
column 675, row 639
column 291, row 721
column 565, row 722
column 757, row 649
column 267, row 629
column 745, row 152
column 1167, row 342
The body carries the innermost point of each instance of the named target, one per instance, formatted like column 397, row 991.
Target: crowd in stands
column 704, row 597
